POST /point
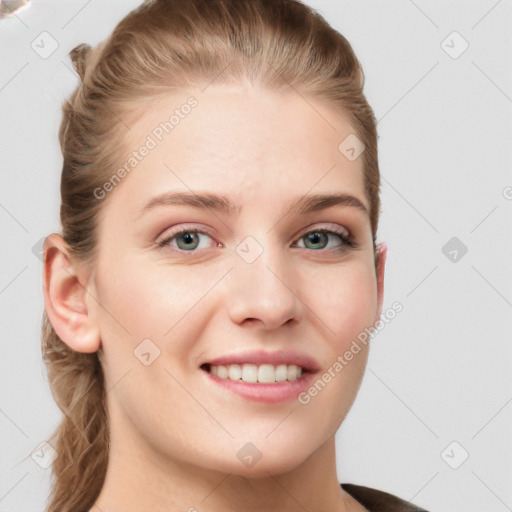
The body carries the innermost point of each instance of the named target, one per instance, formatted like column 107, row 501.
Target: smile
column 263, row 373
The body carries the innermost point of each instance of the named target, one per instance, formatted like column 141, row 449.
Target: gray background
column 438, row 386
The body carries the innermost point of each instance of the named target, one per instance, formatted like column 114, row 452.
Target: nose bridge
column 261, row 289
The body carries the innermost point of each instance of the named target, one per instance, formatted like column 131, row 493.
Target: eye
column 187, row 239
column 320, row 237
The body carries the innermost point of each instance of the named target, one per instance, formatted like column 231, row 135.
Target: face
column 188, row 289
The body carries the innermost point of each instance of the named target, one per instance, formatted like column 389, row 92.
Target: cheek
column 343, row 308
column 341, row 300
column 344, row 301
column 141, row 301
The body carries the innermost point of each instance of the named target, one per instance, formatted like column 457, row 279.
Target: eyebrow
column 224, row 204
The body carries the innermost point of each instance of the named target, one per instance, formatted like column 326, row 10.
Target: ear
column 66, row 297
column 382, row 253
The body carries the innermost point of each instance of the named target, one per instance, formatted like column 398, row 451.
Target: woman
column 218, row 258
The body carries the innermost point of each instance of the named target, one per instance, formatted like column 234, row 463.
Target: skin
column 174, row 435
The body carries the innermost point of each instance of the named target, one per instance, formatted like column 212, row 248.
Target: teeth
column 249, row 373
column 281, row 373
column 235, row 372
column 264, row 373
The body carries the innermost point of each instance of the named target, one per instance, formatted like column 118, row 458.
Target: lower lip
column 278, row 392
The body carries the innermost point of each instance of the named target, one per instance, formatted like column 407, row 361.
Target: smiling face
column 257, row 277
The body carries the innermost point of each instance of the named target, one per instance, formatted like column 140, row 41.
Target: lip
column 276, row 393
column 273, row 393
column 288, row 357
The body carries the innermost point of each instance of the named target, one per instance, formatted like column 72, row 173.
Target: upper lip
column 275, row 358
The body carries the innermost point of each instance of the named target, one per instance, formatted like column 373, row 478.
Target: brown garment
column 379, row 501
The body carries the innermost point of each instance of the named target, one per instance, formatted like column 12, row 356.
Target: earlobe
column 65, row 298
column 382, row 251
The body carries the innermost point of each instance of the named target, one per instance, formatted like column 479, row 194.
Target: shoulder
column 375, row 500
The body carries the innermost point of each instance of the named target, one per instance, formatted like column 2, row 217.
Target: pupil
column 188, row 238
column 315, row 236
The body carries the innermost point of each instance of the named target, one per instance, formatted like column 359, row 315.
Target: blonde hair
column 160, row 45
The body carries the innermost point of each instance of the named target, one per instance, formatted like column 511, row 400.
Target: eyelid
column 329, row 226
column 175, row 230
column 181, row 228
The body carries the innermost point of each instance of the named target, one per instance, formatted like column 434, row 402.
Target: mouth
column 262, row 366
column 261, row 376
column 253, row 373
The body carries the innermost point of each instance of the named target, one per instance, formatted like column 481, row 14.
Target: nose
column 263, row 292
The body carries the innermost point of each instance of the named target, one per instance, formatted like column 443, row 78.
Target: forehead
column 240, row 140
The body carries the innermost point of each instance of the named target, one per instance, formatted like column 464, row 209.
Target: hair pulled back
column 160, row 46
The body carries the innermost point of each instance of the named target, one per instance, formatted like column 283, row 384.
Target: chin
column 265, row 462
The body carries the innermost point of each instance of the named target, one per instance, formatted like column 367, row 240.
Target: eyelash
column 346, row 240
